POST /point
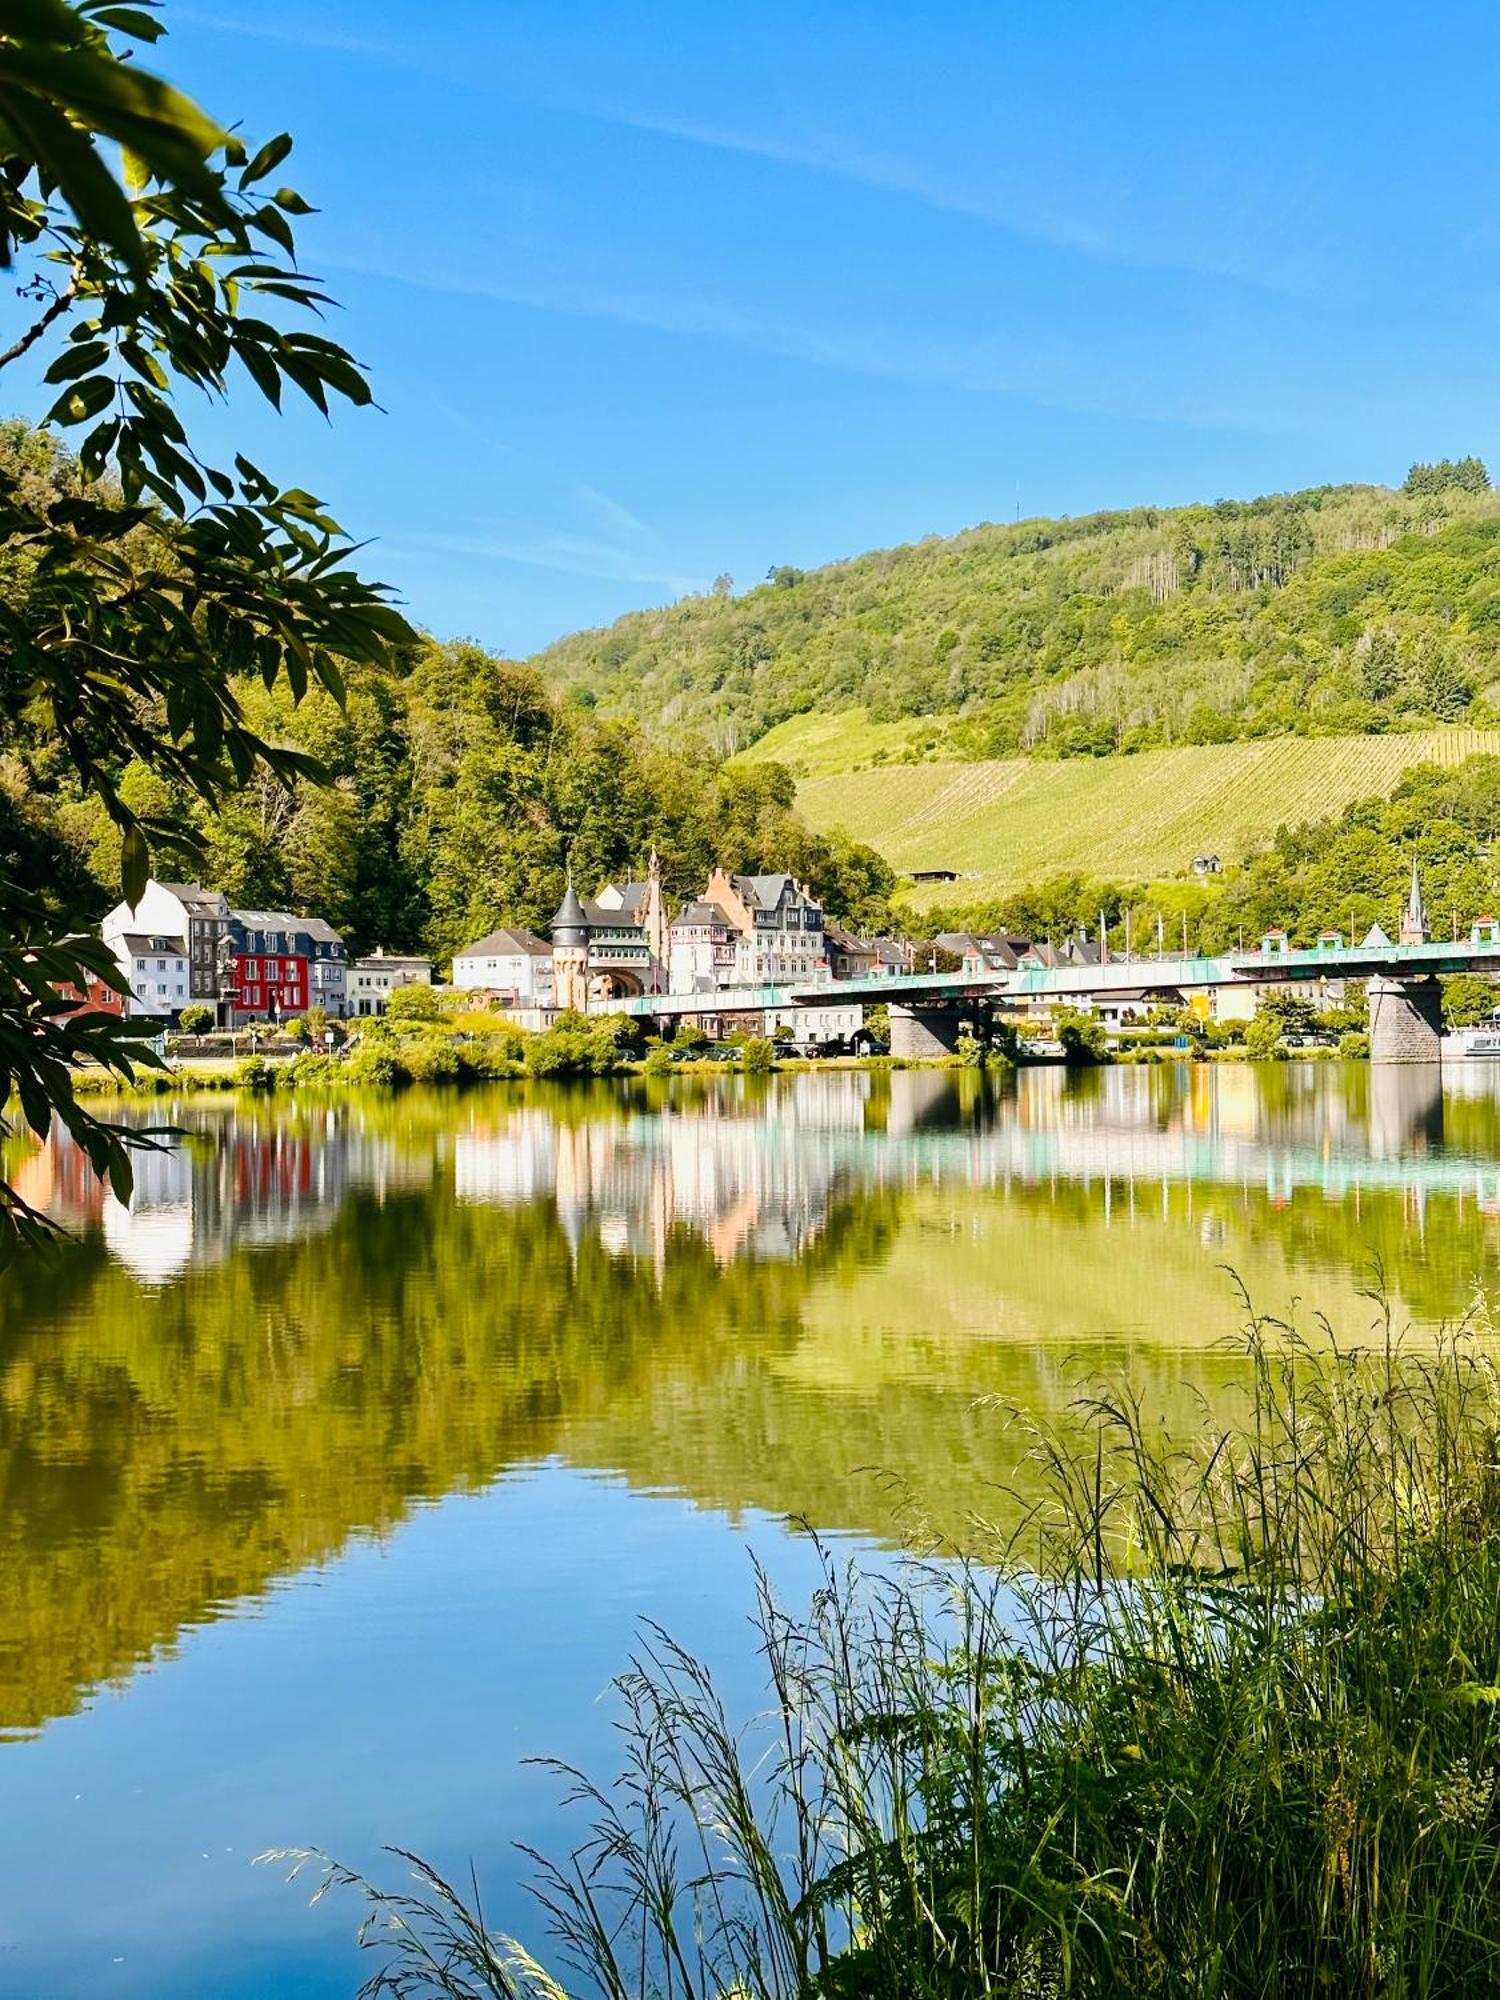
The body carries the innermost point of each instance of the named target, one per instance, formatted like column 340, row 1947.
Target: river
column 339, row 1470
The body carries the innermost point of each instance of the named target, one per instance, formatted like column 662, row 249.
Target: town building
column 323, row 976
column 813, row 1028
column 95, row 996
column 1414, row 926
column 849, row 957
column 618, row 943
column 373, row 980
column 984, row 951
column 157, row 970
column 702, row 953
column 508, row 963
column 197, row 918
column 778, row 925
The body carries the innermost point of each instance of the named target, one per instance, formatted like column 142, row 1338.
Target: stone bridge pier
column 1406, row 1020
column 917, row 1032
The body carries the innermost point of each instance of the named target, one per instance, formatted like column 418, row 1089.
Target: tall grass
column 1219, row 1718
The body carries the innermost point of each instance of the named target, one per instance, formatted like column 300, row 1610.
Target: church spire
column 1414, row 918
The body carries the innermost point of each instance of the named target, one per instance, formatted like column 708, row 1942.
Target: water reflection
column 314, row 1314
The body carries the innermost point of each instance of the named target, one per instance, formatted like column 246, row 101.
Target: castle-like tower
column 570, row 953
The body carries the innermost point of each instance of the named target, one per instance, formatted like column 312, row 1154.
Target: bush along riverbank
column 1219, row 1719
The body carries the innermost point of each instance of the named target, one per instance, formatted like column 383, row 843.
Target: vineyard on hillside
column 1003, row 824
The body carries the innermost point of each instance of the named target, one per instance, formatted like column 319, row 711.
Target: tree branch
column 34, row 333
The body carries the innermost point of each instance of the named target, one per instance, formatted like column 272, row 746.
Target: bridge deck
column 940, row 989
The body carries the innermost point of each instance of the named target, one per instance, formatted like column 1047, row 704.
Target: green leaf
column 289, row 200
column 67, row 159
column 75, row 361
column 131, row 21
column 82, row 401
column 270, row 156
column 135, row 864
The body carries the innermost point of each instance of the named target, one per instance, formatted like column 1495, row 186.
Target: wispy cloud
column 572, row 555
column 830, row 154
column 862, row 349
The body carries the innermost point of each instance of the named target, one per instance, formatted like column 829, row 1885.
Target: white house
column 812, row 1027
column 197, row 918
column 372, row 980
column 156, row 968
column 508, row 961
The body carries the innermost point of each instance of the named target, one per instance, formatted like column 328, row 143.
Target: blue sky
column 652, row 292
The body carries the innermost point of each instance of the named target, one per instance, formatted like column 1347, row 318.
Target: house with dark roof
column 508, row 963
column 778, row 925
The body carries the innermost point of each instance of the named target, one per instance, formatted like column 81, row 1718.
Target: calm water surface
column 337, row 1472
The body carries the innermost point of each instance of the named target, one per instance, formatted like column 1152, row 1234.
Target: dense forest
column 462, row 787
column 1346, row 872
column 1335, row 611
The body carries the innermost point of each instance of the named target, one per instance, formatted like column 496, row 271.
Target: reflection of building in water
column 153, row 1237
column 230, row 1181
column 751, row 1177
column 753, row 1173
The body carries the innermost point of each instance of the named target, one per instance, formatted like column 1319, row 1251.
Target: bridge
column 929, row 1009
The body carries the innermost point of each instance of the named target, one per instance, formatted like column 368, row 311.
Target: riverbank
column 1219, row 1719
column 450, row 1061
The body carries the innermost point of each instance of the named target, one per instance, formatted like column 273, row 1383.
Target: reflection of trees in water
column 737, row 1294
column 165, row 1451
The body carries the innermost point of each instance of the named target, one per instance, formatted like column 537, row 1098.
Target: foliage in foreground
column 140, row 585
column 1219, row 1719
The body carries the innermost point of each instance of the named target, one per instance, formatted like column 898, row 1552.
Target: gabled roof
column 284, row 920
column 599, row 916
column 702, row 912
column 193, row 895
column 762, row 891
column 507, row 942
column 155, row 945
column 843, row 939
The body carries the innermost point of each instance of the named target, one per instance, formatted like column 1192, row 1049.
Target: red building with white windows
column 97, row 998
column 268, row 986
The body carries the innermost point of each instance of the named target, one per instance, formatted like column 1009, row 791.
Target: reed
column 1217, row 1719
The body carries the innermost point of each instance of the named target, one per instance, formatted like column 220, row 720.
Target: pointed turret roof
column 1414, row 917
column 571, row 924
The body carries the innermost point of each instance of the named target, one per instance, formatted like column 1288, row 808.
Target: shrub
column 313, row 1068
column 1355, row 1046
column 659, row 1063
column 196, row 1018
column 254, row 1073
column 429, row 1061
column 379, row 1066
column 413, row 1003
column 492, row 1058
column 1084, row 1041
column 758, row 1054
column 1263, row 1038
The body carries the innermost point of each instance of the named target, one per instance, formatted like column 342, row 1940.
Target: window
column 251, row 969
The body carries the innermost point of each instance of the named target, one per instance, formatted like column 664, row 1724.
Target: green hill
column 1339, row 611
column 1007, row 823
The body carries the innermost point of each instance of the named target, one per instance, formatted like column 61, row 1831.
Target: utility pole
column 1160, row 936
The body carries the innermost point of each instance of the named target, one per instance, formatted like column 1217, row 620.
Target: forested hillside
column 1338, row 611
column 461, row 787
